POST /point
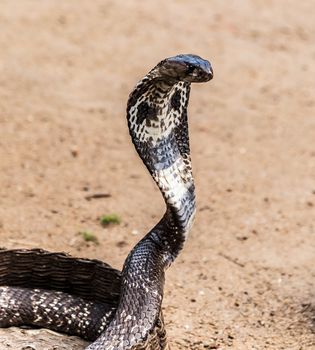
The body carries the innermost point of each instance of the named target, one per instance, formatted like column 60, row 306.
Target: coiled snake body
column 88, row 298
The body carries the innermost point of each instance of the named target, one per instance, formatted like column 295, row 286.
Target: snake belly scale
column 112, row 309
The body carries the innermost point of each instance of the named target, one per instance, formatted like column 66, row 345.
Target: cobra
column 119, row 310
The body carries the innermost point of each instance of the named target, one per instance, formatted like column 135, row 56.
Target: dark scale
column 87, row 297
column 145, row 112
column 176, row 100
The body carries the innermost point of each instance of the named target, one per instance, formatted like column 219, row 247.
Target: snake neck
column 157, row 120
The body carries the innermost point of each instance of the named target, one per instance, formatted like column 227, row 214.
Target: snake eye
column 191, row 70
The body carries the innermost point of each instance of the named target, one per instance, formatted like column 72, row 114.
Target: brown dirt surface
column 245, row 279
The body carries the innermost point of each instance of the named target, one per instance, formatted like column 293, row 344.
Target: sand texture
column 245, row 279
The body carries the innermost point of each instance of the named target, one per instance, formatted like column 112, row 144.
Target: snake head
column 189, row 68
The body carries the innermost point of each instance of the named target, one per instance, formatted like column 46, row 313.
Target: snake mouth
column 189, row 68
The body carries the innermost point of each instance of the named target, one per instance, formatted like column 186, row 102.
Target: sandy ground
column 245, row 279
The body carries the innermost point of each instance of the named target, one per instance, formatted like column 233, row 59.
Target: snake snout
column 201, row 74
column 198, row 69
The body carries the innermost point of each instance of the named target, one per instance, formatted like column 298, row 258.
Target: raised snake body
column 87, row 297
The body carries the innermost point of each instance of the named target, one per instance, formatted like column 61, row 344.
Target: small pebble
column 74, row 151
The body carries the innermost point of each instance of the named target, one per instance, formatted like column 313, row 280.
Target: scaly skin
column 157, row 121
